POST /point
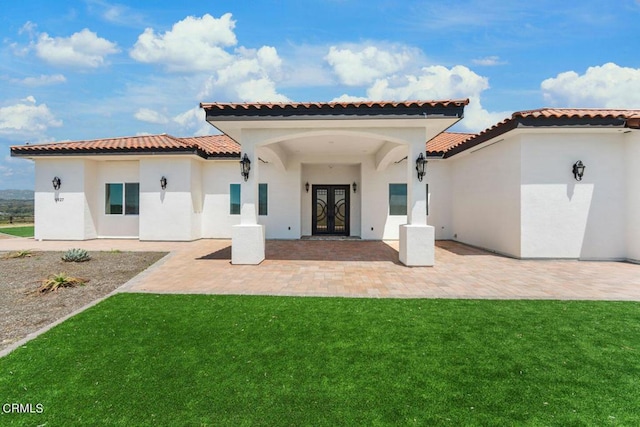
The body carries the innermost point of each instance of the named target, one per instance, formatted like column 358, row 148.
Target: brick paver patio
column 363, row 269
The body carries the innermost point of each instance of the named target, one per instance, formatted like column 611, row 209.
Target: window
column 397, row 199
column 234, row 199
column 262, row 199
column 122, row 198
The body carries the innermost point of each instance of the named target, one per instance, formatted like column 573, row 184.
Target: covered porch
column 338, row 164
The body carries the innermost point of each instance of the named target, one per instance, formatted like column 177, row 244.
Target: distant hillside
column 16, row 194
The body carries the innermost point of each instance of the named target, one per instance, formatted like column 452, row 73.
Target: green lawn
column 20, row 231
column 246, row 360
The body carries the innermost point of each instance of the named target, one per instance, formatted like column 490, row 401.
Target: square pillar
column 417, row 245
column 417, row 239
column 248, row 238
column 247, row 244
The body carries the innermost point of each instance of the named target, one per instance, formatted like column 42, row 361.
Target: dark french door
column 330, row 210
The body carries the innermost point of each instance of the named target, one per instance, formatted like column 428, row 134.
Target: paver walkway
column 363, row 269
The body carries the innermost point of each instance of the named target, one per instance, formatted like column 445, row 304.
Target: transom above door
column 330, row 212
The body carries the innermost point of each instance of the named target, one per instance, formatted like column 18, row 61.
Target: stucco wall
column 174, row 213
column 91, row 205
column 632, row 157
column 283, row 200
column 62, row 214
column 376, row 221
column 216, row 177
column 485, row 191
column 440, row 194
column 564, row 218
column 115, row 172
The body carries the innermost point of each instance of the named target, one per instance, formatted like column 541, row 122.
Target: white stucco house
column 548, row 183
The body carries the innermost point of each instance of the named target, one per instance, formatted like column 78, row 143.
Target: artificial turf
column 139, row 359
column 21, row 231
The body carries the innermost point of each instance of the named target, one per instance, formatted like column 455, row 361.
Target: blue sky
column 87, row 69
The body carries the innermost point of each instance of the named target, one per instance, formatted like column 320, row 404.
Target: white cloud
column 82, row 49
column 193, row 44
column 26, row 119
column 249, row 77
column 488, row 61
column 151, row 116
column 477, row 118
column 29, row 28
column 43, row 80
column 362, row 65
column 199, row 46
column 435, row 83
column 605, row 86
column 348, row 98
column 192, row 122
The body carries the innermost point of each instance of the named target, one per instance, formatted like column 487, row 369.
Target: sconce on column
column 421, row 165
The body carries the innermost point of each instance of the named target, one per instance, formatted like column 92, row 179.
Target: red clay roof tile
column 446, row 140
column 331, row 105
column 211, row 145
column 223, row 146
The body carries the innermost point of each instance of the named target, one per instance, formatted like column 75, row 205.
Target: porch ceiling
column 335, row 145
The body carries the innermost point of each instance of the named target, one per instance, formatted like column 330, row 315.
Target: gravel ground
column 22, row 311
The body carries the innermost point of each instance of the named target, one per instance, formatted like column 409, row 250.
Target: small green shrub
column 60, row 280
column 76, row 255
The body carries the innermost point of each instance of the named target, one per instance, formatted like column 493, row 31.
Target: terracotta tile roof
column 146, row 142
column 554, row 117
column 581, row 113
column 331, row 105
column 215, row 145
column 205, row 146
column 445, row 141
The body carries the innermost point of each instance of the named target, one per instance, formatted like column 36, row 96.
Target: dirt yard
column 23, row 311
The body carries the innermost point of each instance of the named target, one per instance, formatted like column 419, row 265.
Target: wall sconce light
column 578, row 170
column 56, row 183
column 421, row 165
column 245, row 166
column 355, row 187
column 163, row 183
column 306, row 187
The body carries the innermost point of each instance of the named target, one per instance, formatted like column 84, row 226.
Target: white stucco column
column 248, row 237
column 417, row 239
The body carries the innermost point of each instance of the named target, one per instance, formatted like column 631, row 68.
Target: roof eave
column 328, row 111
column 539, row 123
column 35, row 152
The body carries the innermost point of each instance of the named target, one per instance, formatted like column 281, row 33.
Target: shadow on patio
column 462, row 249
column 320, row 250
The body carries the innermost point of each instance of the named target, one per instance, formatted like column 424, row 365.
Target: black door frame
column 330, row 212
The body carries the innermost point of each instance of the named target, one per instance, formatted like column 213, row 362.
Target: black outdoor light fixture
column 421, row 165
column 163, row 183
column 56, row 183
column 355, row 187
column 578, row 170
column 245, row 166
column 306, row 187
